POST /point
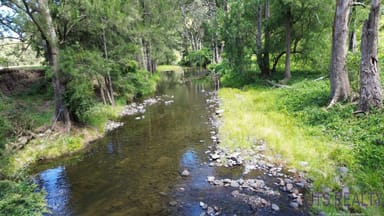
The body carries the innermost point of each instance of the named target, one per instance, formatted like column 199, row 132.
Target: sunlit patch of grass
column 47, row 148
column 175, row 68
column 254, row 113
column 98, row 115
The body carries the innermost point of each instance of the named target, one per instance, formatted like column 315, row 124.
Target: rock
column 218, row 112
column 227, row 181
column 241, row 181
column 185, row 173
column 294, row 205
column 218, row 183
column 300, row 184
column 173, row 203
column 281, row 182
column 211, row 179
column 203, row 205
column 163, row 193
column 299, row 201
column 289, row 187
column 235, row 184
column 257, row 184
column 295, row 191
column 215, row 156
column 168, row 102
column 342, row 171
column 180, row 189
column 275, row 207
column 322, row 214
column 216, row 208
column 210, row 211
column 287, row 181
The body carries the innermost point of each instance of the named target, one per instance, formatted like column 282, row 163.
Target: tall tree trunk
column 262, row 53
column 58, row 81
column 352, row 33
column 267, row 35
column 370, row 86
column 288, row 39
column 143, row 54
column 340, row 87
column 107, row 77
column 259, row 48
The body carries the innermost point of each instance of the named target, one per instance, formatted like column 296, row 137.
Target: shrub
column 20, row 198
column 200, row 58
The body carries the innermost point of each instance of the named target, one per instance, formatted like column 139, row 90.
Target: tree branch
column 359, row 4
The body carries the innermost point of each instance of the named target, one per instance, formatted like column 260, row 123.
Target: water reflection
column 189, row 159
column 54, row 181
column 129, row 171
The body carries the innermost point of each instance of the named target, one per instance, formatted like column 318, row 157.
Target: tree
column 370, row 86
column 39, row 15
column 340, row 86
column 288, row 40
column 262, row 53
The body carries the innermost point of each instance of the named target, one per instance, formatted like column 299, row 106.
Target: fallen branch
column 277, row 85
column 320, row 78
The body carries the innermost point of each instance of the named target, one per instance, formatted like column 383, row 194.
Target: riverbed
column 156, row 164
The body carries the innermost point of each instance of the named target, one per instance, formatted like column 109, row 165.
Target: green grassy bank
column 298, row 128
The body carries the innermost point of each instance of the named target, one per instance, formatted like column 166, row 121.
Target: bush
column 130, row 82
column 21, row 198
column 200, row 58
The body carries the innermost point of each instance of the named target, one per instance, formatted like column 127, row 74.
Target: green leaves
column 21, row 198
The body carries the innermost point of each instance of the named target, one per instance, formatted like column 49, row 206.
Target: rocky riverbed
column 267, row 188
column 138, row 108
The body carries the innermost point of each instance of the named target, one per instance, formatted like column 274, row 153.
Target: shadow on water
column 135, row 170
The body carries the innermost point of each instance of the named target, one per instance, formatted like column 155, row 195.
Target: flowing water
column 135, row 170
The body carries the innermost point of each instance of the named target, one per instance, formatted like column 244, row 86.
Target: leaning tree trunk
column 340, row 87
column 370, row 87
column 59, row 82
column 288, row 38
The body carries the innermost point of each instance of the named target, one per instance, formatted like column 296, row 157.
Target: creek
column 136, row 169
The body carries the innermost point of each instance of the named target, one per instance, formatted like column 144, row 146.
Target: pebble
column 173, row 203
column 289, row 187
column 275, row 207
column 294, row 205
column 203, row 205
column 211, row 178
column 235, row 184
column 185, row 173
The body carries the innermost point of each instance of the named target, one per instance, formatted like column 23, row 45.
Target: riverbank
column 27, row 138
column 301, row 135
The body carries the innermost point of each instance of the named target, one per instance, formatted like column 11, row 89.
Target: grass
column 175, row 68
column 297, row 127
